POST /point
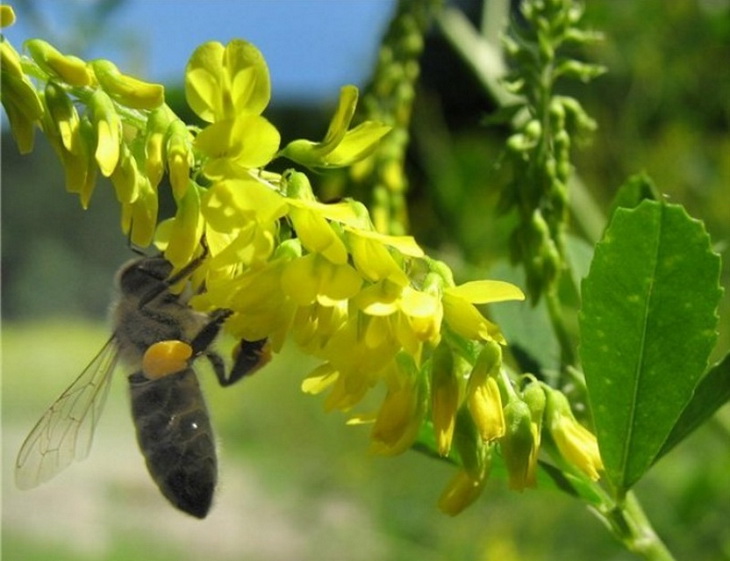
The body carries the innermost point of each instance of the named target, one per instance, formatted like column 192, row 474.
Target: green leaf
column 648, row 323
column 636, row 189
column 711, row 393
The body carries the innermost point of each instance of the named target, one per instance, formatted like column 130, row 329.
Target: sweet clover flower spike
column 373, row 308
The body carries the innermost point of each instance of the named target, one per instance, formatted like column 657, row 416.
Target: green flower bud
column 520, row 445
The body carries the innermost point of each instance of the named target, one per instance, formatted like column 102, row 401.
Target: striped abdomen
column 175, row 436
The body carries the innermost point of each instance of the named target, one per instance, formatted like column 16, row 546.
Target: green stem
column 632, row 528
column 555, row 311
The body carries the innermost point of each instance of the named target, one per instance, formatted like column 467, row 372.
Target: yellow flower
column 483, row 396
column 315, row 223
column 125, row 177
column 231, row 204
column 139, row 218
column 402, row 411
column 64, row 117
column 158, row 123
column 234, row 146
column 463, row 489
column 576, row 443
column 360, row 355
column 414, row 316
column 72, row 139
column 108, row 127
column 462, row 316
column 445, row 397
column 22, row 104
column 222, row 83
column 127, row 90
column 7, row 16
column 69, row 69
column 179, row 151
column 261, row 308
column 372, row 254
column 180, row 236
column 313, row 278
column 340, row 147
column 315, row 324
column 316, row 233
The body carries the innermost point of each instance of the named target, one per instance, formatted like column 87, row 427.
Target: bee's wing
column 64, row 432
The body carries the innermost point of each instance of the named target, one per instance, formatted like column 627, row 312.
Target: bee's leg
column 251, row 356
column 219, row 367
column 205, row 336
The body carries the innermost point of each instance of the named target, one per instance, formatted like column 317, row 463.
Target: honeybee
column 158, row 336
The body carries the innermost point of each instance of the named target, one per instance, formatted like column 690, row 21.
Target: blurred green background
column 296, row 483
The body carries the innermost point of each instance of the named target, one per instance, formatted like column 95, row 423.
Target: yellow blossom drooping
column 576, row 443
column 400, row 416
column 445, row 397
column 463, row 317
column 462, row 491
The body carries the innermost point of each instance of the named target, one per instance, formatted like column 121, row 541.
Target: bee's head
column 140, row 276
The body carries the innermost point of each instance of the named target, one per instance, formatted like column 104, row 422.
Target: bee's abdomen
column 175, row 436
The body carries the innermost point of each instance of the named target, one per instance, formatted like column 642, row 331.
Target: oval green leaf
column 648, row 323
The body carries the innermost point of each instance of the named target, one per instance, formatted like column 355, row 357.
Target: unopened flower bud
column 108, row 127
column 576, row 443
column 520, row 445
column 70, row 69
column 64, row 116
column 444, row 397
column 127, row 90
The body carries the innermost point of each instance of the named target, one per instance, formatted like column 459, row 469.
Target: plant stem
column 555, row 311
column 628, row 522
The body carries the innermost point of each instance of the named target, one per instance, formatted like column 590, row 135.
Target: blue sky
column 312, row 46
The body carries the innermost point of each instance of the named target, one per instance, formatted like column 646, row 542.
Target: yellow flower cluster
column 374, row 308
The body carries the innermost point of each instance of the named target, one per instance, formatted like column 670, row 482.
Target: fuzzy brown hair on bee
column 158, row 337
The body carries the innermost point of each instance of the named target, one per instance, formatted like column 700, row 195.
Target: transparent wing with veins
column 65, row 431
